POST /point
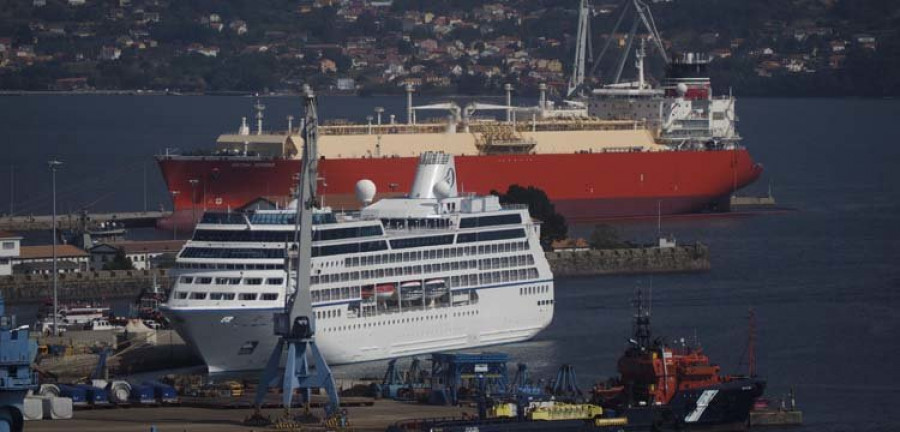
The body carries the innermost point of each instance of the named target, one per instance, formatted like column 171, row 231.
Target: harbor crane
column 296, row 325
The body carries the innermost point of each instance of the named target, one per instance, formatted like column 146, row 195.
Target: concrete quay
column 376, row 417
column 73, row 220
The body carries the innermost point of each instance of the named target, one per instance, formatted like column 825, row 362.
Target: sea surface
column 822, row 277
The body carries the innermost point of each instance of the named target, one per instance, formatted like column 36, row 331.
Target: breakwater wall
column 106, row 284
column 592, row 262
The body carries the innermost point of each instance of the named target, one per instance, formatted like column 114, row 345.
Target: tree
column 554, row 224
column 605, row 237
column 119, row 262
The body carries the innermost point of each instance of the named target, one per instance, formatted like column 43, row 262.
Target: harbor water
column 821, row 276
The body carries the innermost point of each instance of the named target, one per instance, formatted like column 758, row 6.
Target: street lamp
column 368, row 119
column 174, row 221
column 378, row 111
column 53, row 165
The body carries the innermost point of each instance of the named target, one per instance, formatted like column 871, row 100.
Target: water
column 822, row 279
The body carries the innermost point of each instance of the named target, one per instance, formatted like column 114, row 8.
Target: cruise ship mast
column 296, row 326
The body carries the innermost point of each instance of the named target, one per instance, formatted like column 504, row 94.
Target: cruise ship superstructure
column 435, row 270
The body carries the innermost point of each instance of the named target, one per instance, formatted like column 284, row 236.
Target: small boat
column 75, row 313
column 385, row 292
column 411, row 291
column 435, row 288
column 98, row 324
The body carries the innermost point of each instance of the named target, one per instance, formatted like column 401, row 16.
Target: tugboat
column 675, row 387
column 17, row 352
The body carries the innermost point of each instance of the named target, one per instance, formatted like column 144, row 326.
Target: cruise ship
column 434, row 270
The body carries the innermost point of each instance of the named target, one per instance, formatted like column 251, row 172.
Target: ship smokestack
column 435, row 177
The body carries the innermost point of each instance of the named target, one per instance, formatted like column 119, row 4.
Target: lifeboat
column 435, row 288
column 411, row 290
column 385, row 292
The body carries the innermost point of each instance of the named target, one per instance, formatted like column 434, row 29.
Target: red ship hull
column 582, row 186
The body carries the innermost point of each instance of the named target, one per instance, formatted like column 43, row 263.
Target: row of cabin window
column 483, row 221
column 507, row 276
column 279, row 253
column 442, row 253
column 380, row 323
column 206, row 280
column 229, row 253
column 221, row 266
column 490, row 235
column 374, row 246
column 334, row 294
column 351, row 248
column 506, row 261
column 332, row 313
column 393, row 271
column 284, row 236
column 200, row 295
column 474, row 279
column 530, row 290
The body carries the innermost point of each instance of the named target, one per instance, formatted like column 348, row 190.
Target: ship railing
column 514, row 206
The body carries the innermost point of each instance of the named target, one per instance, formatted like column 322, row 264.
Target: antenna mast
column 642, row 15
column 751, row 343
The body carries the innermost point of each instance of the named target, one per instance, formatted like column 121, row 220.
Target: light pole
column 53, row 165
column 368, row 119
column 174, row 220
column 193, row 183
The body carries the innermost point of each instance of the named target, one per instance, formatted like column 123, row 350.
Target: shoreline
column 351, row 93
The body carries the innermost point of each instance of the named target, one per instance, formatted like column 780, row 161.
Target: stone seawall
column 107, row 284
column 689, row 258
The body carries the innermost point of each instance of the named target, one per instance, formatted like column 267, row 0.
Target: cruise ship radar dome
column 365, row 191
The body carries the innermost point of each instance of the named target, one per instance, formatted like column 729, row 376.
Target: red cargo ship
column 605, row 160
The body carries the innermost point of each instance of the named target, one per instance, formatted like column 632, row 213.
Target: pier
column 72, row 220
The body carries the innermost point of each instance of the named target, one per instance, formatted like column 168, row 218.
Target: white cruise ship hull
column 241, row 339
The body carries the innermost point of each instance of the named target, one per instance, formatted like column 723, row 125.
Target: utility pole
column 53, row 165
column 174, row 221
column 145, row 187
column 12, row 189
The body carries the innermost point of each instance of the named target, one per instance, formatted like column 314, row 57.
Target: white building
column 9, row 250
column 141, row 253
column 39, row 259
